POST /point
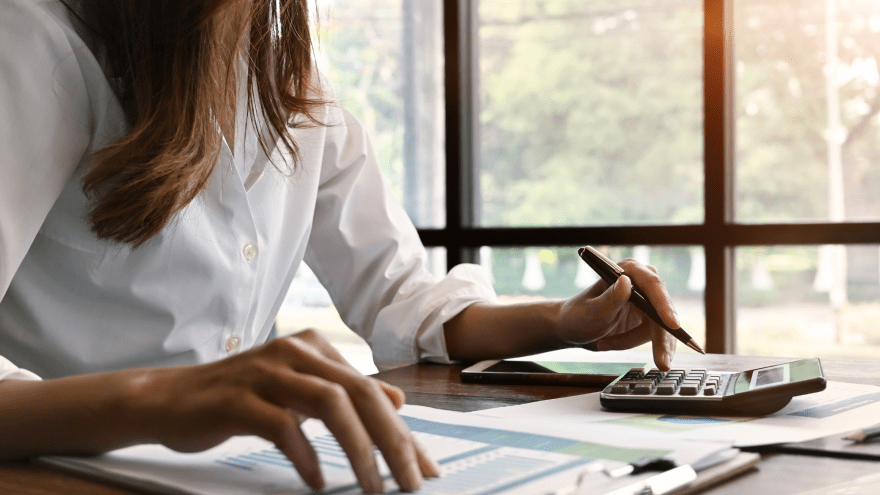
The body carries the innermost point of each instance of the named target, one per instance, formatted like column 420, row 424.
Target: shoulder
column 40, row 60
column 28, row 26
column 38, row 46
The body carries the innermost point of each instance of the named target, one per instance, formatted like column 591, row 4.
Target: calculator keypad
column 673, row 382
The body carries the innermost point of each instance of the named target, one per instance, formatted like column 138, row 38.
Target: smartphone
column 698, row 391
column 595, row 375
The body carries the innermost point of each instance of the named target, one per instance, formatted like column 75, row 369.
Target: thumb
column 612, row 300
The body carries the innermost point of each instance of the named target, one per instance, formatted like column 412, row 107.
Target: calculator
column 698, row 391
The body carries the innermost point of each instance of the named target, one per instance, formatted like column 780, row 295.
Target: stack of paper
column 478, row 455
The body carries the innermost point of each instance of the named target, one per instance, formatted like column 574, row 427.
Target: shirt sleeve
column 44, row 130
column 366, row 252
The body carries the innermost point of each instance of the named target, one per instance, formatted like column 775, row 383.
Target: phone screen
column 565, row 367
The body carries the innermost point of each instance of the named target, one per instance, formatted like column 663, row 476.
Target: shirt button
column 232, row 343
column 249, row 251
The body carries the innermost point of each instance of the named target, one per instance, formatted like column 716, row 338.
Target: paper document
column 477, row 455
column 840, row 408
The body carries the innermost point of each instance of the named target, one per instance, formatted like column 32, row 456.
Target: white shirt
column 211, row 283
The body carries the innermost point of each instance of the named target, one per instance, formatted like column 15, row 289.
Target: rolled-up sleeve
column 365, row 250
column 44, row 131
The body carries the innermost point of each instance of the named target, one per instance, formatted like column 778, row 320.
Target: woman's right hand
column 267, row 391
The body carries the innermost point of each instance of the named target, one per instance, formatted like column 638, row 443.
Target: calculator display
column 797, row 371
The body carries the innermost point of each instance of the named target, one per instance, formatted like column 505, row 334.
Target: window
column 734, row 144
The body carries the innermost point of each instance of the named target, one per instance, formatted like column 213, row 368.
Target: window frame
column 719, row 235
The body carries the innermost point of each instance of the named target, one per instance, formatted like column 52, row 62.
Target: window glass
column 384, row 60
column 539, row 273
column 591, row 113
column 809, row 301
column 308, row 305
column 807, row 103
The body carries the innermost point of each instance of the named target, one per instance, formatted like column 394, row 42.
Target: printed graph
column 544, row 443
column 482, row 461
column 838, row 407
column 666, row 423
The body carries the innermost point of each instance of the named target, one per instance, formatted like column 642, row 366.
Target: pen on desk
column 864, row 435
column 610, row 272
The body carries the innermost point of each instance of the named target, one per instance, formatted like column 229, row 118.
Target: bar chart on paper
column 477, row 456
column 474, row 460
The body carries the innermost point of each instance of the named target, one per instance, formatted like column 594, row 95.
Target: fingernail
column 433, row 470
column 675, row 319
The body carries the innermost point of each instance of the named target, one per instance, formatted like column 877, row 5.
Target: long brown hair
column 171, row 65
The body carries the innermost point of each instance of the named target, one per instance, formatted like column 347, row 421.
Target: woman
column 167, row 166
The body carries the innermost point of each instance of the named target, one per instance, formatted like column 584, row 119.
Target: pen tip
column 693, row 345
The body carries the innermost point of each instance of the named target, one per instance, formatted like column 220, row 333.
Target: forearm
column 489, row 331
column 81, row 414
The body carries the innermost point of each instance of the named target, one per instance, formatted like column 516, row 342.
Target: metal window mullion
column 462, row 152
column 719, row 190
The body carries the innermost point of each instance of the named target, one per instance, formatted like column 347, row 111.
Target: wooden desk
column 438, row 386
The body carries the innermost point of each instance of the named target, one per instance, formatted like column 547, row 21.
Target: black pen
column 610, row 272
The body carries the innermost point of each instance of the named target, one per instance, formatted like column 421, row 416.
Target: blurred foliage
column 592, row 114
column 782, row 113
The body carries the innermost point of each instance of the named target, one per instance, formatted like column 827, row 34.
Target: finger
column 396, row 395
column 328, row 401
column 590, row 317
column 276, row 425
column 430, row 467
column 614, row 298
column 596, row 289
column 299, row 450
column 654, row 288
column 610, row 307
column 639, row 335
column 374, row 409
column 323, row 346
column 663, row 345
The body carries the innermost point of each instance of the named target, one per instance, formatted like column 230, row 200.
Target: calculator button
column 643, row 382
column 643, row 388
column 709, row 390
column 666, row 388
column 620, row 388
column 690, row 385
column 689, row 388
